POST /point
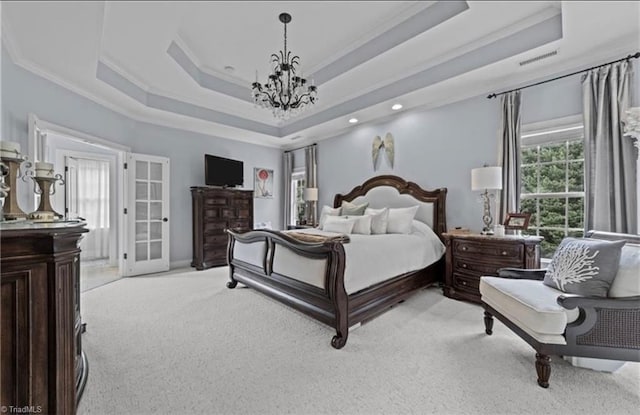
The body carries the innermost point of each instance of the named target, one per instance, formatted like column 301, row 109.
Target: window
column 298, row 183
column 552, row 189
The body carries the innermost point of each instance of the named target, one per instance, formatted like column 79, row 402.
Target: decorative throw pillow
column 362, row 224
column 351, row 209
column 585, row 267
column 379, row 220
column 400, row 219
column 327, row 211
column 339, row 224
column 627, row 280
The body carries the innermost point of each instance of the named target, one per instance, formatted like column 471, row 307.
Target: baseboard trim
column 183, row 263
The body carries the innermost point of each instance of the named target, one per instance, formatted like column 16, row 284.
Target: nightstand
column 471, row 256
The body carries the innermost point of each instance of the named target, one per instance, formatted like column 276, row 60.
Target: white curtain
column 311, row 178
column 93, row 205
column 287, row 170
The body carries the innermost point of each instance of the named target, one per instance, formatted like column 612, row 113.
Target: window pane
column 141, row 251
column 156, row 171
column 529, row 155
column 552, row 178
column 576, row 212
column 551, row 241
column 155, row 250
column 529, row 206
column 553, row 152
column 142, row 192
column 576, row 176
column 552, row 212
column 142, row 168
column 141, row 210
column 576, row 150
column 141, row 231
column 529, row 179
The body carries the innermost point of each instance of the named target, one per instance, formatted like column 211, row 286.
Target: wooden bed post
column 338, row 294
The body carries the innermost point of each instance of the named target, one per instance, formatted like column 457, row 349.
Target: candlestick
column 44, row 169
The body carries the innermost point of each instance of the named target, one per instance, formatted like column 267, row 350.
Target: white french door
column 147, row 214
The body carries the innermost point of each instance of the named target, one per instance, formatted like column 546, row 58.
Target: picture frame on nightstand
column 517, row 221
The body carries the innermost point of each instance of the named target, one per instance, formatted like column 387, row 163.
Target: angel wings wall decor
column 379, row 144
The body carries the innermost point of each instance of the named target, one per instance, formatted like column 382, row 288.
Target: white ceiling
column 164, row 62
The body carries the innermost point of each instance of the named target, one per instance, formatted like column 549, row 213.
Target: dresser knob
column 464, row 248
column 464, row 265
column 464, row 283
column 504, row 252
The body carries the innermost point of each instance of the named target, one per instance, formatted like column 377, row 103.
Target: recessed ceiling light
column 396, row 107
column 353, row 120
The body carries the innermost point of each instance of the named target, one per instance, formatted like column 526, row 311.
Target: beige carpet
column 185, row 344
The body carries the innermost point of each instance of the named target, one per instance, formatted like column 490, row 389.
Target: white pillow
column 362, row 224
column 327, row 211
column 339, row 224
column 379, row 219
column 627, row 280
column 400, row 219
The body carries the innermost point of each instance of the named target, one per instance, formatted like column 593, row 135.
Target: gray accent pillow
column 351, row 209
column 585, row 267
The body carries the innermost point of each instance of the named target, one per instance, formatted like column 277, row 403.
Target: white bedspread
column 370, row 259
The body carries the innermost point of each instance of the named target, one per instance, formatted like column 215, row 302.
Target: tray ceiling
column 190, row 64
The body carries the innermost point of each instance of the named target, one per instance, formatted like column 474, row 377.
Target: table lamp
column 486, row 178
column 310, row 195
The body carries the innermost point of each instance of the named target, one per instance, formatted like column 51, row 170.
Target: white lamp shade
column 310, row 194
column 486, row 178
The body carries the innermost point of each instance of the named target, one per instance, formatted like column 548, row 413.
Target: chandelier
column 285, row 93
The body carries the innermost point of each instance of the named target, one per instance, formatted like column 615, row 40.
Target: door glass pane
column 156, row 191
column 142, row 191
column 156, row 211
column 156, row 230
column 155, row 250
column 156, row 171
column 142, row 233
column 141, row 251
column 142, row 168
column 141, row 210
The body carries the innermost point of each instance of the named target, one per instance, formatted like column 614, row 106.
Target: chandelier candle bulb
column 44, row 169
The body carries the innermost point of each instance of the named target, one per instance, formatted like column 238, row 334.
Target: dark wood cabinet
column 42, row 365
column 214, row 210
column 471, row 256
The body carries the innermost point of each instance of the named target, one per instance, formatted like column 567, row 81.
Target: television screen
column 220, row 171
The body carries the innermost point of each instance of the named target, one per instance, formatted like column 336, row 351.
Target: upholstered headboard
column 393, row 191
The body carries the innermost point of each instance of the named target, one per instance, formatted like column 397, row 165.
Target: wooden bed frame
column 332, row 305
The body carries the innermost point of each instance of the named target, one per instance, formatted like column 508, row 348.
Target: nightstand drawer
column 466, row 283
column 479, row 268
column 495, row 249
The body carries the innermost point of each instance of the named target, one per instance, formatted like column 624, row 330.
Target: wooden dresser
column 214, row 210
column 471, row 256
column 42, row 366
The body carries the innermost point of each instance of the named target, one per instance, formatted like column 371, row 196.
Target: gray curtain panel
column 311, row 177
column 287, row 170
column 509, row 155
column 610, row 157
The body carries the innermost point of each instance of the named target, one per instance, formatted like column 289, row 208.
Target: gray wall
column 439, row 147
column 24, row 92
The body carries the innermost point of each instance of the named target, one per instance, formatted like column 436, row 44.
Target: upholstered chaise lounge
column 556, row 323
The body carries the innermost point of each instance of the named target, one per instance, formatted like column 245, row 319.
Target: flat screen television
column 220, row 171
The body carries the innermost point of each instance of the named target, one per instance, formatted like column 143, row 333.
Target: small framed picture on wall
column 262, row 183
column 517, row 221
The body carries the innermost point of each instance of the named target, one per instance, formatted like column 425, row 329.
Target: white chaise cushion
column 529, row 304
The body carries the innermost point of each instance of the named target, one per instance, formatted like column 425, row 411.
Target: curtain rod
column 299, row 148
column 636, row 56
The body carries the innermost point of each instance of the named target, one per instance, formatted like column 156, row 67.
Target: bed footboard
column 325, row 300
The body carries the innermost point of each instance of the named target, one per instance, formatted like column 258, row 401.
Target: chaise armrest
column 609, row 324
column 627, row 303
column 524, row 274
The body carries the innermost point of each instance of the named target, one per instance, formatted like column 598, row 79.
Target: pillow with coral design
column 586, row 267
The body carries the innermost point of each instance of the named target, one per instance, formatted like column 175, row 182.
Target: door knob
column 165, row 219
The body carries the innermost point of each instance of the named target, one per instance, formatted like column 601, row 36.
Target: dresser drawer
column 219, row 200
column 480, row 268
column 214, row 226
column 483, row 249
column 216, row 239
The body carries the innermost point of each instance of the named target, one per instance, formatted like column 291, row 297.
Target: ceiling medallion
column 285, row 93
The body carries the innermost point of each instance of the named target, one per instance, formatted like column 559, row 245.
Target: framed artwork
column 519, row 221
column 262, row 183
